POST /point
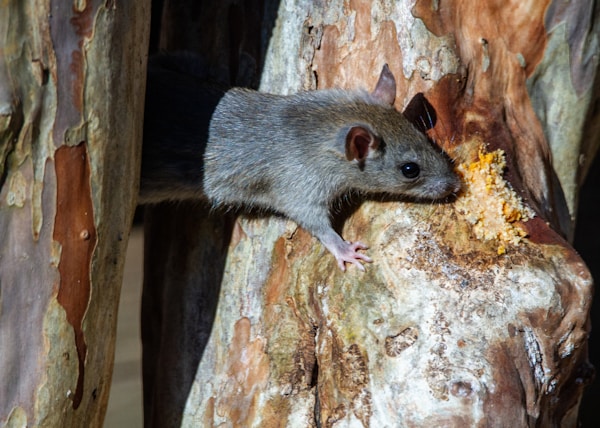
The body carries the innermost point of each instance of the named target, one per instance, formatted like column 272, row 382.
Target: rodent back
column 252, row 158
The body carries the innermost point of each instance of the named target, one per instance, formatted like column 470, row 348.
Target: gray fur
column 296, row 144
column 283, row 153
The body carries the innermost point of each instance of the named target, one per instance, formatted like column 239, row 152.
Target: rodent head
column 396, row 158
column 392, row 155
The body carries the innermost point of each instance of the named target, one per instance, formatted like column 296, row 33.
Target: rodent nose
column 456, row 185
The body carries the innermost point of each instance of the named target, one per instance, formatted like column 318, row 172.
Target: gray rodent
column 291, row 154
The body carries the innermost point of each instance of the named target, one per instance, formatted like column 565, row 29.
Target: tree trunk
column 474, row 312
column 72, row 75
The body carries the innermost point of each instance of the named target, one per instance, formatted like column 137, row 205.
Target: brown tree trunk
column 72, row 76
column 474, row 312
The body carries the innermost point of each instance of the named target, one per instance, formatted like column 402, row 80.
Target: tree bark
column 475, row 312
column 72, row 75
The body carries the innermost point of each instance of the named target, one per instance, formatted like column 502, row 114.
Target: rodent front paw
column 349, row 253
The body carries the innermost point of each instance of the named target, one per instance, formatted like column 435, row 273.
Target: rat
column 292, row 154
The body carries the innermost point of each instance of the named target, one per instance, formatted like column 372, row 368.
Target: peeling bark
column 448, row 326
column 75, row 232
column 71, row 75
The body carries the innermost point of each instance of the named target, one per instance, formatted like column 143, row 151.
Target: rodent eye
column 410, row 170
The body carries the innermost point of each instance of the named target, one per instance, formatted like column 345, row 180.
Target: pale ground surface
column 125, row 403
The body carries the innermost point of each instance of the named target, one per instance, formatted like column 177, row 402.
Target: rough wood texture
column 71, row 75
column 449, row 326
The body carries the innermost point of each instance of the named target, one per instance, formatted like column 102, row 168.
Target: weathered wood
column 72, row 76
column 461, row 320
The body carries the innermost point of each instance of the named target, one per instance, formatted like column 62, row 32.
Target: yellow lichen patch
column 489, row 203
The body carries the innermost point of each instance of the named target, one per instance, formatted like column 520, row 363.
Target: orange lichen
column 489, row 203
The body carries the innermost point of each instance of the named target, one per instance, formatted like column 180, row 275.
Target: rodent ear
column 359, row 142
column 420, row 113
column 385, row 90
